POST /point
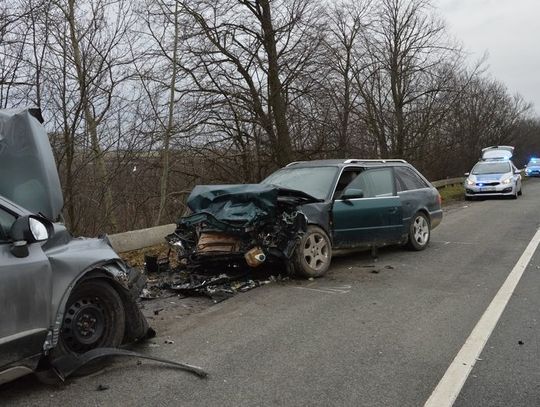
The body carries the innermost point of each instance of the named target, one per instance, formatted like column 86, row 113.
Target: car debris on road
column 217, row 287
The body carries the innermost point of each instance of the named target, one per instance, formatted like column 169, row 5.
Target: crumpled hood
column 28, row 171
column 243, row 204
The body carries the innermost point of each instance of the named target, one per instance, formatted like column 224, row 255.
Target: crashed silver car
column 59, row 295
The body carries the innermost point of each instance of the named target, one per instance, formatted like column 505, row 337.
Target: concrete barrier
column 139, row 239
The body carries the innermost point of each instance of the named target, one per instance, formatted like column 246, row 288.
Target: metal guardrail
column 447, row 182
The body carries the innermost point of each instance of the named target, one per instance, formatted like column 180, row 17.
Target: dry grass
column 452, row 193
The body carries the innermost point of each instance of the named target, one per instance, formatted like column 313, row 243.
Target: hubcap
column 421, row 230
column 316, row 251
column 84, row 324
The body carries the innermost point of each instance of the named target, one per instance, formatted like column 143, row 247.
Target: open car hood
column 504, row 152
column 243, row 204
column 28, row 174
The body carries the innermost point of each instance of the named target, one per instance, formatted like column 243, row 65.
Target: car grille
column 504, row 191
column 487, row 184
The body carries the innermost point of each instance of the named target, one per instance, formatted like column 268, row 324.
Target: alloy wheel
column 316, row 251
column 421, row 230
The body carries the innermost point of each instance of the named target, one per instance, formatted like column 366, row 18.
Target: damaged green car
column 301, row 213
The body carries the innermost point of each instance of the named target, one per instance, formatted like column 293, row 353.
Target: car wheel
column 313, row 253
column 94, row 317
column 419, row 232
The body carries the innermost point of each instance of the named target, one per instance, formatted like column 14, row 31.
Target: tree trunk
column 284, row 154
column 165, row 150
column 91, row 124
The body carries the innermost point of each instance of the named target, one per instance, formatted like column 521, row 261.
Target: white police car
column 494, row 175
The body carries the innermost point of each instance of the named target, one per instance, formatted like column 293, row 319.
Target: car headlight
column 507, row 181
column 469, row 182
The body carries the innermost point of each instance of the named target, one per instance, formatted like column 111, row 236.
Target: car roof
column 347, row 162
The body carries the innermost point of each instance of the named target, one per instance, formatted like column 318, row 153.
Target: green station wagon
column 301, row 213
column 362, row 203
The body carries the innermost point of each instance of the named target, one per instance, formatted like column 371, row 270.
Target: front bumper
column 496, row 190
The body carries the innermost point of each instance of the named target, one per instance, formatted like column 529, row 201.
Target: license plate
column 487, row 189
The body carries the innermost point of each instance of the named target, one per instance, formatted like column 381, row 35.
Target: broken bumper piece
column 67, row 365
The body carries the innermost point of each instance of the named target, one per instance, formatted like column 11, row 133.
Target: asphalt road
column 370, row 334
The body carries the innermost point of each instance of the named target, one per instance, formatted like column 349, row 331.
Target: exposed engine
column 247, row 226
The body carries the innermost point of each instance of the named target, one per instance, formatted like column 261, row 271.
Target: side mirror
column 352, row 193
column 467, row 174
column 28, row 229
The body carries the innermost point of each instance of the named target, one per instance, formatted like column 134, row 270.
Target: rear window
column 408, row 179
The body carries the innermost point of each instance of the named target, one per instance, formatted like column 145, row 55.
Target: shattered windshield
column 314, row 181
column 491, row 168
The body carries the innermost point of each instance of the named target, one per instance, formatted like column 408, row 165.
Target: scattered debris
column 157, row 311
column 375, row 271
column 102, row 387
column 521, row 343
column 388, row 267
column 206, row 283
column 169, row 341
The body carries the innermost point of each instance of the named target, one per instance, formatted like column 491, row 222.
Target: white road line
column 447, row 242
column 328, row 290
column 450, row 386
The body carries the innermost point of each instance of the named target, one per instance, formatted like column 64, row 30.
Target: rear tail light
column 439, row 199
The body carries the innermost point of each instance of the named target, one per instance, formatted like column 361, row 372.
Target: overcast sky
column 509, row 31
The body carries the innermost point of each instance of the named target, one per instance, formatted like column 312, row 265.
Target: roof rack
column 495, row 159
column 385, row 160
column 294, row 162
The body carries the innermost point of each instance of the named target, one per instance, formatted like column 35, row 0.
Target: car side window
column 6, row 220
column 377, row 182
column 408, row 179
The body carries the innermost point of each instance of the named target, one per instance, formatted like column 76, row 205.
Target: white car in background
column 494, row 175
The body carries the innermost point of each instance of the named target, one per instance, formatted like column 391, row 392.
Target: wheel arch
column 125, row 281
